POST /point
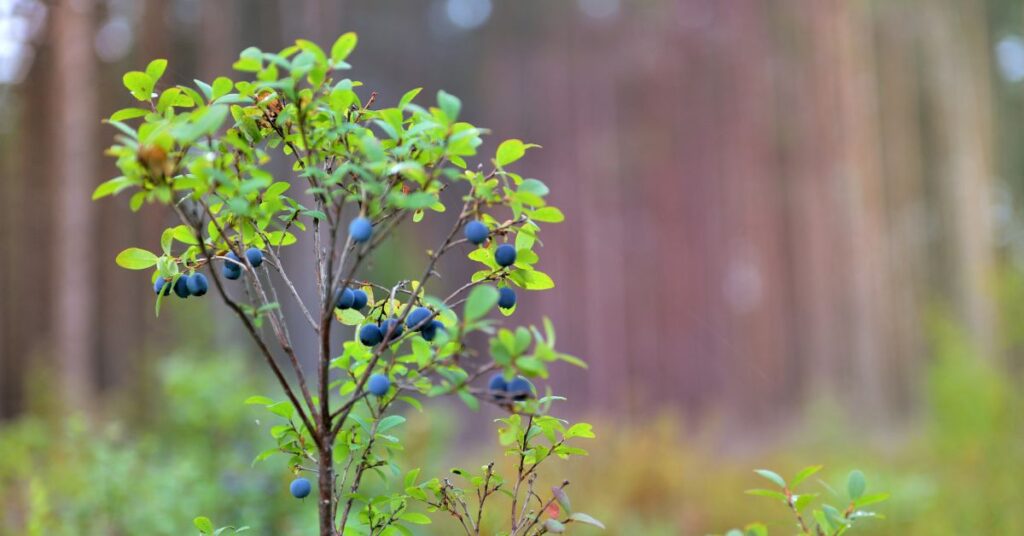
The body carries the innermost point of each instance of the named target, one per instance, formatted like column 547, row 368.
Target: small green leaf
column 415, row 518
column 511, row 150
column 856, row 484
column 803, row 474
column 128, row 113
column 580, row 517
column 481, row 300
column 450, row 104
column 343, row 47
column 139, row 84
column 136, row 259
column 554, row 526
column 204, row 524
column 773, row 476
column 770, row 493
column 156, row 69
column 871, row 498
column 547, row 214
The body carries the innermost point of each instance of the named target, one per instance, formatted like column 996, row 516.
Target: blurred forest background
column 793, row 236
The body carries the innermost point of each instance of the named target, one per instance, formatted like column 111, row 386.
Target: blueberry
column 430, row 330
column 498, row 383
column 161, row 284
column 370, row 335
column 417, row 316
column 343, row 298
column 378, row 385
column 505, row 255
column 506, row 298
column 392, row 323
column 520, row 388
column 254, row 256
column 300, row 488
column 359, row 299
column 232, row 270
column 476, row 232
column 197, row 285
column 181, row 287
column 360, row 229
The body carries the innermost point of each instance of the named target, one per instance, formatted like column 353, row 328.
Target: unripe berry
column 300, row 488
column 360, row 229
column 378, row 385
column 476, row 232
column 521, row 388
column 430, row 330
column 181, row 287
column 343, row 298
column 417, row 316
column 370, row 335
column 359, row 299
column 498, row 383
column 505, row 255
column 197, row 284
column 231, row 270
column 163, row 285
column 506, row 298
column 254, row 256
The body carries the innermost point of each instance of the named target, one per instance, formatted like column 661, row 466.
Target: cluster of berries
column 185, row 286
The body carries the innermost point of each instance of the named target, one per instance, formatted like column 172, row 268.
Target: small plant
column 825, row 520
column 366, row 171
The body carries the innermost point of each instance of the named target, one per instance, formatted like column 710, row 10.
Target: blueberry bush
column 361, row 171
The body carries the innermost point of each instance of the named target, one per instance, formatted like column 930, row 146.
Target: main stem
column 325, row 464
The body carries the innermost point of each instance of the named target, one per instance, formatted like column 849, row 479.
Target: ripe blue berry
column 370, row 335
column 254, row 256
column 359, row 299
column 360, row 229
column 521, row 388
column 343, row 298
column 378, row 385
column 506, row 298
column 161, row 284
column 197, row 285
column 231, row 270
column 389, row 324
column 300, row 488
column 498, row 383
column 181, row 287
column 505, row 255
column 430, row 330
column 417, row 316
column 476, row 232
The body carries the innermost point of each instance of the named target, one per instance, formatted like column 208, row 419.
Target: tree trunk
column 326, row 490
column 75, row 95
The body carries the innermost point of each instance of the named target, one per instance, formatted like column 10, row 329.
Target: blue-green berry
column 505, row 255
column 370, row 335
column 360, row 229
column 378, row 385
column 300, row 488
column 476, row 232
column 254, row 256
column 506, row 298
column 197, row 284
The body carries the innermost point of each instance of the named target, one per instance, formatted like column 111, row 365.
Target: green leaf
column 136, row 259
column 111, row 187
column 204, row 121
column 128, row 113
column 554, row 526
column 511, row 150
column 343, row 47
column 773, row 476
column 389, row 422
column 156, row 69
column 580, row 517
column 450, row 104
column 221, row 86
column 771, row 494
column 803, row 474
column 415, row 518
column 547, row 214
column 481, row 300
column 580, row 429
column 408, row 97
column 139, row 84
column 871, row 498
column 856, row 484
column 259, row 400
column 204, row 524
